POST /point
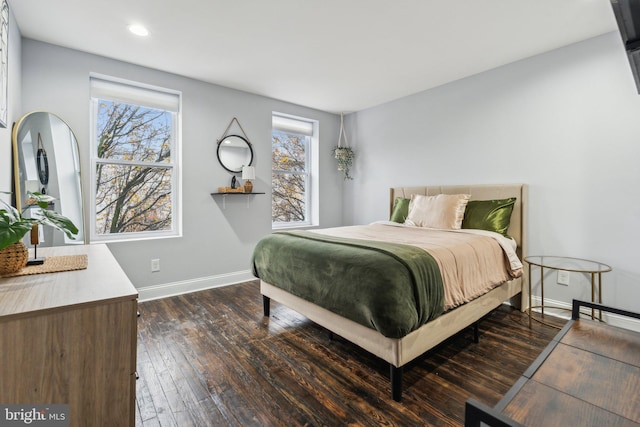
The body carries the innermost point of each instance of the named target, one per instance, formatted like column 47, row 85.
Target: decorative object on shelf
column 234, row 151
column 14, row 226
column 248, row 173
column 230, row 190
column 35, row 240
column 234, row 182
column 344, row 154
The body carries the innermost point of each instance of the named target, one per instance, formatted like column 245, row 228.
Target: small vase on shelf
column 248, row 173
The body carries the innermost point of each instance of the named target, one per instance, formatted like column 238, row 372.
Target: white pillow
column 442, row 211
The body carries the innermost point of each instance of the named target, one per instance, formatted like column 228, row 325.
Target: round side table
column 578, row 265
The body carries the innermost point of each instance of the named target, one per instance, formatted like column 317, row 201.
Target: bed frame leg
column 476, row 332
column 266, row 305
column 396, row 382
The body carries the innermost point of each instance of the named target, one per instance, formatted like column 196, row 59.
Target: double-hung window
column 294, row 153
column 135, row 176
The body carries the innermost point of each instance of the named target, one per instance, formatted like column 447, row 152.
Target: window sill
column 294, row 227
column 97, row 240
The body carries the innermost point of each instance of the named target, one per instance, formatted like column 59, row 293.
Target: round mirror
column 234, row 151
column 46, row 160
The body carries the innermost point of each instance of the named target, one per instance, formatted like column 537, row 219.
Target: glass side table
column 578, row 265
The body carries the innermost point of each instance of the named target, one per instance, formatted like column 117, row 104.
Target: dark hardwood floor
column 211, row 359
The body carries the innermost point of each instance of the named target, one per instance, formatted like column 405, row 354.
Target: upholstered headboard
column 517, row 228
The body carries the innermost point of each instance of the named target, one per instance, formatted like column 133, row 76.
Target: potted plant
column 14, row 226
column 343, row 153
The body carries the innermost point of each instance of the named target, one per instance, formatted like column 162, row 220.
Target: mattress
column 343, row 270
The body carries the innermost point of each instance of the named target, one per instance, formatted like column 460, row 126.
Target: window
column 134, row 161
column 294, row 165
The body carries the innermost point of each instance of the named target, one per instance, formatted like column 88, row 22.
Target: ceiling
column 333, row 55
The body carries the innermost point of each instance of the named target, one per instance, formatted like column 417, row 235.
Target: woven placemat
column 54, row 264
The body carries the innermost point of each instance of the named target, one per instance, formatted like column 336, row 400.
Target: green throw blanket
column 390, row 287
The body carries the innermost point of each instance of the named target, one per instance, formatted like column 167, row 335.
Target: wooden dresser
column 589, row 375
column 70, row 338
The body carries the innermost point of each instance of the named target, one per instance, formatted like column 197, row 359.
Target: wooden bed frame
column 399, row 351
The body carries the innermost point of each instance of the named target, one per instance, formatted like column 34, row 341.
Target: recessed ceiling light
column 138, row 30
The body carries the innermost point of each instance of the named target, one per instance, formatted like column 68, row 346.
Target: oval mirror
column 48, row 162
column 234, row 151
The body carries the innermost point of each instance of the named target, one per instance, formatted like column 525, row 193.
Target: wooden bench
column 589, row 375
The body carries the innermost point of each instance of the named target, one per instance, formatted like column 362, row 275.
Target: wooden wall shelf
column 225, row 194
column 235, row 193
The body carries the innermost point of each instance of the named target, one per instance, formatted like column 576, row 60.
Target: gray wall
column 567, row 123
column 217, row 243
column 14, row 109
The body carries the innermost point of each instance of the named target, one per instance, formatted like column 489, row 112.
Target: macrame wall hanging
column 343, row 153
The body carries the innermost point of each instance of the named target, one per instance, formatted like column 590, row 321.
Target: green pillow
column 491, row 215
column 400, row 210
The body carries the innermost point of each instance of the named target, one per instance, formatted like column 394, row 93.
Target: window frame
column 311, row 172
column 174, row 163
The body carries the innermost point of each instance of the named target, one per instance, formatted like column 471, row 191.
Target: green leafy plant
column 345, row 156
column 14, row 226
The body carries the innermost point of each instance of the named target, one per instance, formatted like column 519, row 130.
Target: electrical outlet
column 155, row 265
column 563, row 277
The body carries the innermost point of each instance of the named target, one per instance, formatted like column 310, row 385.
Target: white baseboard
column 612, row 319
column 148, row 293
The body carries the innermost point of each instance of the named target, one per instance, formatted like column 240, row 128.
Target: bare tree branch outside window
column 289, row 177
column 133, row 169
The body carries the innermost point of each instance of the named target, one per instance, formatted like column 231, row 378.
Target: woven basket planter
column 13, row 258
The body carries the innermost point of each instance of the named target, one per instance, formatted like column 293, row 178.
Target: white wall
column 217, row 243
column 567, row 123
column 13, row 111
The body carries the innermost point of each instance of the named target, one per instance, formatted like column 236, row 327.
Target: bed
column 399, row 345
